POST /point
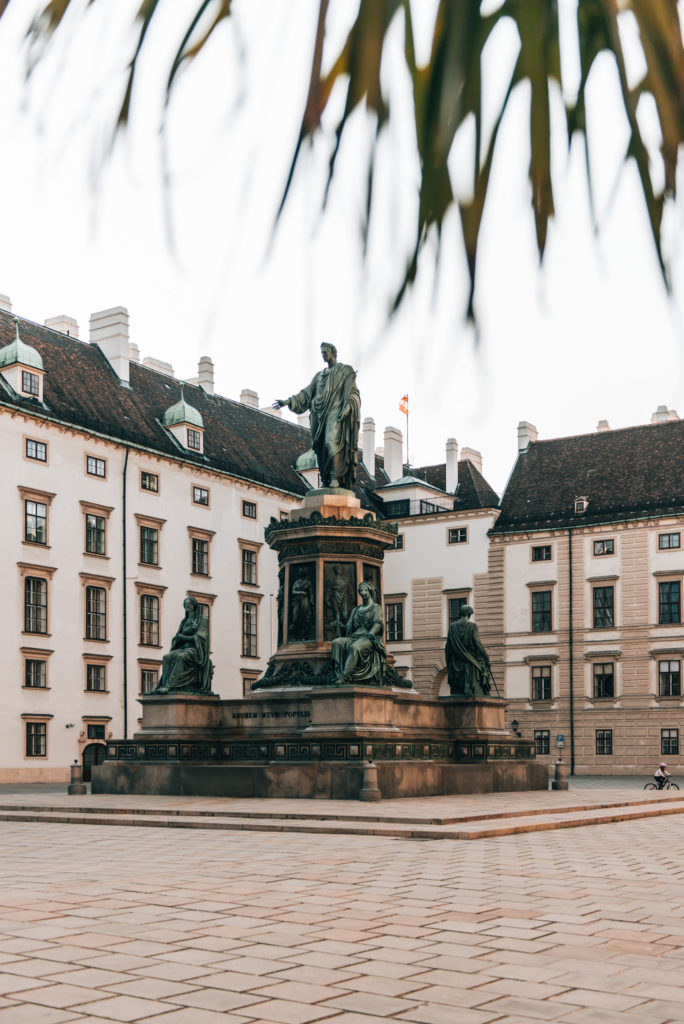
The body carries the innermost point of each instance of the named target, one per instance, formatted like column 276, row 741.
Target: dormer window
column 185, row 423
column 581, row 504
column 194, row 440
column 30, row 383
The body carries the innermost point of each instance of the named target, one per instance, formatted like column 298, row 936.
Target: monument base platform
column 315, row 742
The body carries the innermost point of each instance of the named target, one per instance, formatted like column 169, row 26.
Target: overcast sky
column 592, row 336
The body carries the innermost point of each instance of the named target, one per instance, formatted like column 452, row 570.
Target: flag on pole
column 403, row 405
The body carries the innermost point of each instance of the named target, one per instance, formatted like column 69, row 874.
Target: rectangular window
column 249, row 566
column 541, row 553
column 200, row 495
column 36, row 739
column 456, row 605
column 603, row 607
column 35, row 605
column 541, row 682
column 604, row 741
column 96, row 614
column 36, row 450
column 541, row 611
column 200, row 556
column 459, row 535
column 95, row 732
column 398, row 543
column 249, row 509
column 669, row 678
column 149, row 620
column 541, row 741
column 96, row 680
column 149, row 545
column 35, row 522
column 149, row 677
column 604, row 679
column 247, row 684
column 249, row 629
column 35, row 673
column 669, row 741
column 194, row 440
column 149, row 482
column 398, row 508
column 30, row 383
column 666, row 541
column 96, row 467
column 604, row 547
column 95, row 534
column 669, row 603
column 428, row 506
column 394, row 621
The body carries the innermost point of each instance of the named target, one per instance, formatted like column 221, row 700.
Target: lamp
column 514, row 727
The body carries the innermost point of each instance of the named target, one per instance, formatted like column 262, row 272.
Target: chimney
column 473, row 456
column 394, row 463
column 602, row 426
column 205, row 374
column 159, row 366
column 133, row 352
column 250, row 398
column 527, row 433
column 64, row 324
column 109, row 330
column 5, row 303
column 451, row 465
column 368, row 446
column 664, row 415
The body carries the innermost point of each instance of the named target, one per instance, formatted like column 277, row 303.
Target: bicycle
column 666, row 785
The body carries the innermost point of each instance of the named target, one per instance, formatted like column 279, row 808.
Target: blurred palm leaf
column 447, row 91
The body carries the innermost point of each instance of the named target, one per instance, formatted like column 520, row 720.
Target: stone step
column 492, row 827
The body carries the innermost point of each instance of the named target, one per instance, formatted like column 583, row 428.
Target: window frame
column 31, row 723
column 38, row 444
column 603, row 542
column 604, row 740
column 396, row 634
column 194, row 488
column 147, row 475
column 542, row 742
column 99, row 532
column 35, row 516
column 600, row 677
column 535, row 594
column 546, row 553
column 193, row 439
column 602, row 609
column 96, row 618
column 671, row 686
column 674, row 581
column 669, row 546
column 457, row 534
column 33, row 381
column 146, row 597
column 669, row 742
column 247, row 504
column 101, row 666
column 96, row 460
column 43, row 498
column 41, row 610
column 200, row 556
column 536, row 676
column 249, row 640
column 35, row 658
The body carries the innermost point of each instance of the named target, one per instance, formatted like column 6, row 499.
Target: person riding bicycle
column 661, row 774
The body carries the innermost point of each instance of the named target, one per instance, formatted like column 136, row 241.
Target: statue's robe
column 334, row 405
column 187, row 666
column 359, row 657
column 467, row 660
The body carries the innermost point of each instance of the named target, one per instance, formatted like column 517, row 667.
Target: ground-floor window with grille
column 604, row 741
column 669, row 741
column 36, row 739
column 542, row 741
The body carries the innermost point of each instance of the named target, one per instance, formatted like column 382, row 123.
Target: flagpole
column 408, row 462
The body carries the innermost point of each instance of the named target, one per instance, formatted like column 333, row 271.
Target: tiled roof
column 81, row 388
column 473, row 490
column 624, row 474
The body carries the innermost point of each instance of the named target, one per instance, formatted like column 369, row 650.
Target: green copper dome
column 306, row 461
column 18, row 352
column 182, row 412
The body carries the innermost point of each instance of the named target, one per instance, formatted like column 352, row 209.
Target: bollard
column 559, row 780
column 77, row 786
column 369, row 790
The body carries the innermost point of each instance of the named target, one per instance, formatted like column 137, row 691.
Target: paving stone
column 123, row 1008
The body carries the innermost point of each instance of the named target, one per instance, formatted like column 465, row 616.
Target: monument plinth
column 330, row 702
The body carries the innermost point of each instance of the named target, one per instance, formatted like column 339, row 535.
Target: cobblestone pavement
column 197, row 927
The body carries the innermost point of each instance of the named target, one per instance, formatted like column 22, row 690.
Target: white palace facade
column 126, row 489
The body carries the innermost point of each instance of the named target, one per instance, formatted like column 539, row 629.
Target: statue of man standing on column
column 334, row 403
